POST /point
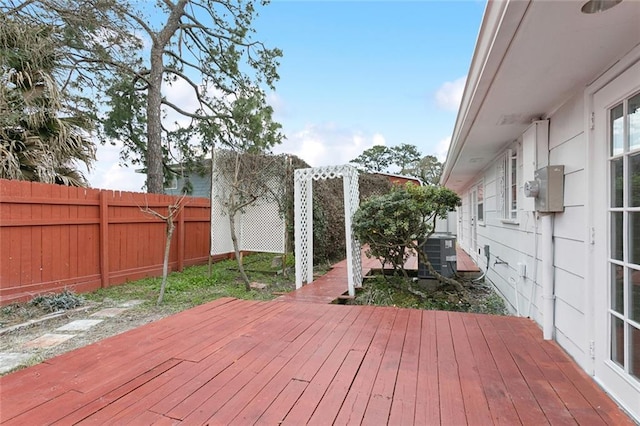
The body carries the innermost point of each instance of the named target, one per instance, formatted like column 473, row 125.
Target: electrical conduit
column 548, row 295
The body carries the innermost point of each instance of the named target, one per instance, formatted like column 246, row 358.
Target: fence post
column 104, row 239
column 180, row 236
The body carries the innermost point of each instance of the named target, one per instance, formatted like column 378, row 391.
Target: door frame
column 617, row 84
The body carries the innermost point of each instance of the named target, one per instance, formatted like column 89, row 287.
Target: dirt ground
column 22, row 324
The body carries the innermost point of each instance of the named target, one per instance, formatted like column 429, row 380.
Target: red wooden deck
column 244, row 362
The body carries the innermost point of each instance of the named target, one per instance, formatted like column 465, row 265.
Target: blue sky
column 355, row 74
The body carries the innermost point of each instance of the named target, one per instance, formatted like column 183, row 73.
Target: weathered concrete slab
column 48, row 340
column 11, row 360
column 108, row 312
column 79, row 325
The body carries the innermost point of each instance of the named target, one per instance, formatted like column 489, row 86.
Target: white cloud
column 449, row 95
column 277, row 103
column 442, row 148
column 378, row 139
column 327, row 144
column 181, row 94
column 108, row 174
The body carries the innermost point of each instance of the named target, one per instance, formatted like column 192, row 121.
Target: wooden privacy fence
column 54, row 237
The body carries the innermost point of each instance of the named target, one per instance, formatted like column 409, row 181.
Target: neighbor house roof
column 530, row 58
column 401, row 179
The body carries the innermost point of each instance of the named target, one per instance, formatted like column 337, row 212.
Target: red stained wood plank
column 283, row 379
column 138, row 399
column 286, row 399
column 523, row 378
column 519, row 392
column 332, row 399
column 600, row 403
column 332, row 354
column 496, row 393
column 93, row 402
column 427, row 410
column 355, row 404
column 208, row 399
column 282, row 362
column 404, row 398
column 42, row 414
column 603, row 405
column 147, row 351
column 155, row 419
column 451, row 400
column 26, row 389
column 577, row 406
column 475, row 401
column 382, row 393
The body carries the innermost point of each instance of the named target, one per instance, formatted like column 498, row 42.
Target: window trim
column 508, row 187
column 480, row 202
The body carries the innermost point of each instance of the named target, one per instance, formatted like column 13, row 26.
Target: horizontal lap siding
column 567, row 146
column 515, row 243
column 50, row 238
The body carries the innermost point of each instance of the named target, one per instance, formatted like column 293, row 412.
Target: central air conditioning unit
column 441, row 252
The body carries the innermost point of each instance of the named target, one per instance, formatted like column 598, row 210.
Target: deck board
column 246, row 362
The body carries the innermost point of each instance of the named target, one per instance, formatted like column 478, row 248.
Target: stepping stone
column 11, row 360
column 108, row 312
column 131, row 303
column 48, row 340
column 259, row 286
column 79, row 325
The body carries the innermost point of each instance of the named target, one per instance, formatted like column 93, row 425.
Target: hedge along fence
column 54, row 237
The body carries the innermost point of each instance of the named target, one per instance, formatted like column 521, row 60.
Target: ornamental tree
column 399, row 223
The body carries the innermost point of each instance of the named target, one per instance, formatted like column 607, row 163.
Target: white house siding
column 514, row 243
column 567, row 147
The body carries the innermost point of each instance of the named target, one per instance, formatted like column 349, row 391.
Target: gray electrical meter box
column 550, row 196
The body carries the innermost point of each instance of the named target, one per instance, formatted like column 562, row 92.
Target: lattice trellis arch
column 303, row 221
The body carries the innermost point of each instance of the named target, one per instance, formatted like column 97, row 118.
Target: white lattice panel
column 259, row 226
column 303, row 221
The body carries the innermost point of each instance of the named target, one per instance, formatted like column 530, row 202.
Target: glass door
column 624, row 239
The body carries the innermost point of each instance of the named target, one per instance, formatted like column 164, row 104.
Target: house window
column 480, row 202
column 171, row 182
column 508, row 185
column 624, row 240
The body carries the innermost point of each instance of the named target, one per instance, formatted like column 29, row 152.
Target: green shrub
column 58, row 302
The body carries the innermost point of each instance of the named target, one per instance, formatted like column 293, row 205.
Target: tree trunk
column 154, row 158
column 167, row 249
column 236, row 250
column 155, row 175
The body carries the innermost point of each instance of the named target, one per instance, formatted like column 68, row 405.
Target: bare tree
column 172, row 211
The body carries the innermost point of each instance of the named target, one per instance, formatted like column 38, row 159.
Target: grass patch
column 194, row 286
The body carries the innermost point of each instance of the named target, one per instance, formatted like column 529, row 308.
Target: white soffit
column 530, row 58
